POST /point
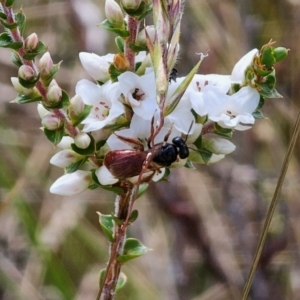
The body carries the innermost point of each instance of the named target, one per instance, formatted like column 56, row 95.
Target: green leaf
column 120, row 44
column 200, row 156
column 75, row 166
column 142, row 189
column 9, row 26
column 90, row 150
column 114, row 73
column 177, row 94
column 189, row 164
column 40, row 49
column 258, row 114
column 134, row 215
column 28, row 84
column 100, row 144
column 198, row 142
column 107, row 225
column 115, row 189
column 101, row 277
column 267, row 88
column 118, row 221
column 15, row 58
column 23, row 99
column 121, row 281
column 76, row 120
column 9, row 3
column 227, row 132
column 47, row 80
column 108, row 26
column 54, row 136
column 6, row 42
column 138, row 48
column 21, row 20
column 3, row 15
column 133, row 248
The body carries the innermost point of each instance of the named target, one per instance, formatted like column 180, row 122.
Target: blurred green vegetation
column 203, row 226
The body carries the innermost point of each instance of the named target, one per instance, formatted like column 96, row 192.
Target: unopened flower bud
column 96, row 66
column 120, row 62
column 82, row 140
column 114, row 13
column 65, row 158
column 45, row 65
column 19, row 88
column 267, row 57
column 31, row 42
column 54, row 94
column 72, row 184
column 130, row 4
column 218, row 145
column 281, row 53
column 76, row 107
column 26, row 73
column 42, row 111
column 51, row 122
column 141, row 38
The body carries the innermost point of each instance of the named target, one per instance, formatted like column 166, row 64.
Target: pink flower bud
column 31, row 42
column 51, row 122
column 45, row 65
column 114, row 13
column 54, row 94
column 76, row 107
column 26, row 73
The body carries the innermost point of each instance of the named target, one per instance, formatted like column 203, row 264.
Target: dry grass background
column 203, row 225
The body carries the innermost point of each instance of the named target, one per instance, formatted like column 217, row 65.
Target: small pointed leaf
column 107, row 225
column 142, row 189
column 115, row 189
column 120, row 43
column 134, row 215
column 200, row 156
column 175, row 98
column 21, row 20
column 227, row 132
column 54, row 136
column 108, row 26
column 40, row 49
column 9, row 3
column 3, row 15
column 117, row 220
column 22, row 99
column 6, row 42
column 121, row 281
column 90, row 150
column 133, row 248
column 75, row 166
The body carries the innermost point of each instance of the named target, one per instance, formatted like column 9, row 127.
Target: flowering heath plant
column 134, row 120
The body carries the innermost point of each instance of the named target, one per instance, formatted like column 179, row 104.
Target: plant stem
column 272, row 207
column 113, row 269
column 133, row 26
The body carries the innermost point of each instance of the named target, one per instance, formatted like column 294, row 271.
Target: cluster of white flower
column 208, row 102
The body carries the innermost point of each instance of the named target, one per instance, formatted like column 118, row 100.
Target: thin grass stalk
column 272, row 207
